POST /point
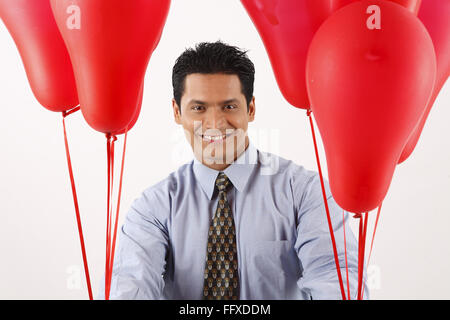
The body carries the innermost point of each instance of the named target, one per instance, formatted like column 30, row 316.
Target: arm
column 314, row 247
column 140, row 260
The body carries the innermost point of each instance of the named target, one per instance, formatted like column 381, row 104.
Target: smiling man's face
column 214, row 117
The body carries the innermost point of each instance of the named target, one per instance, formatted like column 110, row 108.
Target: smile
column 216, row 138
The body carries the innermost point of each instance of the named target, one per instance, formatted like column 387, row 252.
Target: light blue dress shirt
column 283, row 242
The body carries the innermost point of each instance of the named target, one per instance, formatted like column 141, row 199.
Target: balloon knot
column 111, row 136
column 357, row 216
column 65, row 113
column 308, row 112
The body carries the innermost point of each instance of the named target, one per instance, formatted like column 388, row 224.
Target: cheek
column 188, row 124
column 238, row 120
column 240, row 124
column 188, row 129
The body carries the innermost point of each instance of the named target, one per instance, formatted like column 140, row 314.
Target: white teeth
column 214, row 138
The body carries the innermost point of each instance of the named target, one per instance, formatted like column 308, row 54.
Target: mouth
column 215, row 138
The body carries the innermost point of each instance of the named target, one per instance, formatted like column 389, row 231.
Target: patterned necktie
column 221, row 270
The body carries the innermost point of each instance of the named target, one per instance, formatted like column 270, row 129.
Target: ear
column 176, row 112
column 251, row 110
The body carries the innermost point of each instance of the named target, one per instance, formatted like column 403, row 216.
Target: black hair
column 213, row 57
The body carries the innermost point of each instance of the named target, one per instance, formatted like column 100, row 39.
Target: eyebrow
column 229, row 101
column 197, row 102
column 204, row 103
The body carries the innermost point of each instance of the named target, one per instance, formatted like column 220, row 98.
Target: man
column 235, row 222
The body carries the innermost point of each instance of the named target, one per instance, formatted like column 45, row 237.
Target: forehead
column 212, row 87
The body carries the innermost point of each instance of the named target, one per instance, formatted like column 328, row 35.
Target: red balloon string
column 366, row 218
column 330, row 226
column 361, row 250
column 113, row 139
column 118, row 207
column 110, row 242
column 345, row 251
column 75, row 202
column 109, row 222
column 373, row 237
column 108, row 157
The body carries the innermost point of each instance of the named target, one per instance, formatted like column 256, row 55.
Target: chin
column 228, row 159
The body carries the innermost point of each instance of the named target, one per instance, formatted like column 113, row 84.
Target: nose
column 214, row 119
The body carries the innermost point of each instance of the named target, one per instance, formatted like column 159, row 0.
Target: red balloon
column 411, row 5
column 287, row 28
column 435, row 15
column 110, row 44
column 44, row 55
column 368, row 88
column 136, row 114
column 343, row 3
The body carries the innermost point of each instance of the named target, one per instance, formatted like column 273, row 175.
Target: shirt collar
column 238, row 171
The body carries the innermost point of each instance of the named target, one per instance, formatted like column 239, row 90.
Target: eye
column 230, row 107
column 197, row 108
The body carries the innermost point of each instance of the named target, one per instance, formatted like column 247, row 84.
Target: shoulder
column 277, row 166
column 172, row 183
column 159, row 195
column 304, row 183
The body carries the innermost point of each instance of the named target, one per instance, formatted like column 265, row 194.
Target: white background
column 39, row 246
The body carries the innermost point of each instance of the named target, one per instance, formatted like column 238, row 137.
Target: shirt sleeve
column 314, row 247
column 140, row 260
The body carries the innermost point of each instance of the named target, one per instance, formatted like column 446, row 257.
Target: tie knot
column 222, row 181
